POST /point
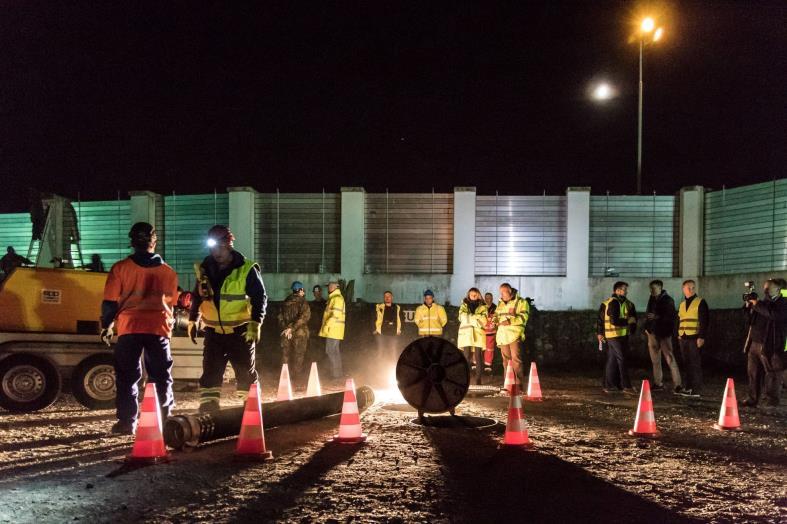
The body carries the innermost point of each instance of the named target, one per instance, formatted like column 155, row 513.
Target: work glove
column 106, row 335
column 253, row 330
column 192, row 330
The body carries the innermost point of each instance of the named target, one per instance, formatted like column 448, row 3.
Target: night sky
column 303, row 96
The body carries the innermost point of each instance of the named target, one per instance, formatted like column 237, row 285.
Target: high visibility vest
column 378, row 323
column 471, row 327
column 234, row 306
column 333, row 317
column 689, row 319
column 516, row 311
column 430, row 320
column 610, row 329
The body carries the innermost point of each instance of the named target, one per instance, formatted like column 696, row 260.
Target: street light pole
column 639, row 121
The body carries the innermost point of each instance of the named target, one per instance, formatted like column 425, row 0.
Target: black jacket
column 664, row 308
column 768, row 323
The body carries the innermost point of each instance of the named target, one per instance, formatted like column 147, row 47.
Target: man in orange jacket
column 139, row 297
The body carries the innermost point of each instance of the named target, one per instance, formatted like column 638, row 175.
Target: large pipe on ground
column 191, row 430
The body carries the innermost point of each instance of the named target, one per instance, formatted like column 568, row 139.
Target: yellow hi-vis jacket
column 378, row 323
column 517, row 312
column 234, row 306
column 689, row 319
column 471, row 327
column 333, row 317
column 610, row 329
column 430, row 320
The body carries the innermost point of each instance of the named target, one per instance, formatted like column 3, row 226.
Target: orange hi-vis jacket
column 146, row 297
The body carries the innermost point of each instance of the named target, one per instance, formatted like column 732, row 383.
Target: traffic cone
column 350, row 423
column 285, row 388
column 511, row 379
column 516, row 428
column 251, row 439
column 313, row 389
column 533, row 385
column 645, row 423
column 149, row 445
column 728, row 414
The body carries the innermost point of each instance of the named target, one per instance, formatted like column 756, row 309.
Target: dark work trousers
column 513, row 353
column 388, row 349
column 232, row 348
column 293, row 351
column 128, row 371
column 764, row 372
column 479, row 358
column 692, row 361
column 616, row 374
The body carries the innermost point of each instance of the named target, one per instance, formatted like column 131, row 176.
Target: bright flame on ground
column 391, row 393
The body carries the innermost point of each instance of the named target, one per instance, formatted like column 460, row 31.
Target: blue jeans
column 128, row 371
column 334, row 357
column 616, row 375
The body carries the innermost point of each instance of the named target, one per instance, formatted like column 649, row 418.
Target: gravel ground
column 61, row 465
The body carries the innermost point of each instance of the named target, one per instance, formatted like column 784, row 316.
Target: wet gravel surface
column 60, row 465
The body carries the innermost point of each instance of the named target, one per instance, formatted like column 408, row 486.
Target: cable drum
column 433, row 375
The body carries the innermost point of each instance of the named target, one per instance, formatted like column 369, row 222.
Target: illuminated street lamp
column 602, row 92
column 648, row 34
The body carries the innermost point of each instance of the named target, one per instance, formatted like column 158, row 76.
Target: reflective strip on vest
column 610, row 329
column 689, row 319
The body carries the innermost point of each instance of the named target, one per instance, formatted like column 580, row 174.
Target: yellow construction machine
column 49, row 339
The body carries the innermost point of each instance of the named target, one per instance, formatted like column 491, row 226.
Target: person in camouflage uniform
column 294, row 322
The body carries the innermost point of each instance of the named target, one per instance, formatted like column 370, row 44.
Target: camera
column 750, row 294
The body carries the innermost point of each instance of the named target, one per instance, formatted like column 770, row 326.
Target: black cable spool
column 433, row 375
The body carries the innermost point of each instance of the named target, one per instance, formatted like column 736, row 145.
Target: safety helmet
column 141, row 234
column 220, row 234
column 296, row 286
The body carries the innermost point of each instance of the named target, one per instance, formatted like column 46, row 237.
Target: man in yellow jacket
column 388, row 329
column 472, row 337
column 332, row 329
column 511, row 317
column 430, row 317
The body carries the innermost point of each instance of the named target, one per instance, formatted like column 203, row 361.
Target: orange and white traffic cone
column 533, row 385
column 149, row 445
column 728, row 414
column 350, row 423
column 516, row 428
column 313, row 388
column 285, row 388
column 251, row 439
column 645, row 423
column 511, row 379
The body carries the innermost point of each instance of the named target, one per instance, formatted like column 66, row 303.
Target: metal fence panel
column 409, row 232
column 16, row 230
column 299, row 232
column 187, row 219
column 633, row 235
column 103, row 228
column 520, row 235
column 746, row 229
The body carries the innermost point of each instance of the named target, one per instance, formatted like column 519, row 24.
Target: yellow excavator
column 49, row 336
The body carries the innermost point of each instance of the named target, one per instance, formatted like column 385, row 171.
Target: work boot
column 209, row 407
column 749, row 403
column 657, row 387
column 123, row 428
column 678, row 390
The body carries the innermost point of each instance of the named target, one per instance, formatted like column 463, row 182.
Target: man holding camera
column 765, row 344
